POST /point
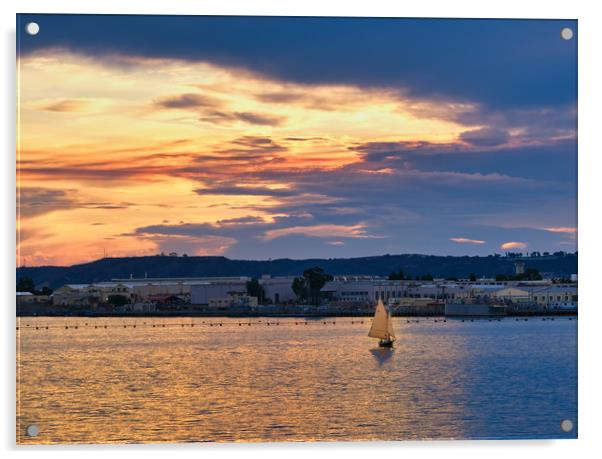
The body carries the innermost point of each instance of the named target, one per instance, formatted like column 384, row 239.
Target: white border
column 590, row 151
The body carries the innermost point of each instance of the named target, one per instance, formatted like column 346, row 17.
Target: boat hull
column 385, row 343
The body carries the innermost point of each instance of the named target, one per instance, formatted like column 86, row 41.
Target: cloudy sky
column 263, row 138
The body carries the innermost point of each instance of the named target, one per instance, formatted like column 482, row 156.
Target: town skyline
column 245, row 138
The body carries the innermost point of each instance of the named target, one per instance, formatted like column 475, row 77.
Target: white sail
column 382, row 325
column 390, row 326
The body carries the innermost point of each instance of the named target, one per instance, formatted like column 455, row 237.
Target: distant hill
column 165, row 266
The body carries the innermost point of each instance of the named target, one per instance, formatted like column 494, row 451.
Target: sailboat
column 382, row 326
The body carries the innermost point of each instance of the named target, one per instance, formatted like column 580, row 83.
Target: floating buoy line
column 25, row 325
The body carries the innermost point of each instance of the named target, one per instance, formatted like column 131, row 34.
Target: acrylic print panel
column 295, row 229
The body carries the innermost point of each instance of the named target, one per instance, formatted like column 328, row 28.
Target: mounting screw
column 32, row 430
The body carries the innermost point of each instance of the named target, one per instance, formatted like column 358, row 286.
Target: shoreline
column 179, row 314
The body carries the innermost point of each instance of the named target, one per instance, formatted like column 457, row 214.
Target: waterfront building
column 556, row 296
column 80, row 294
column 513, row 295
column 203, row 292
column 343, row 292
column 278, row 290
column 30, row 298
column 233, row 301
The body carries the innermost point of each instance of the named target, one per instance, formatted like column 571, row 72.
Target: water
column 293, row 382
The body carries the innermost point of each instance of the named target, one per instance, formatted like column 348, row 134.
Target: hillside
column 164, row 266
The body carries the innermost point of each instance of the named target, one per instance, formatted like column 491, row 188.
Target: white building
column 278, row 289
column 556, row 296
column 201, row 293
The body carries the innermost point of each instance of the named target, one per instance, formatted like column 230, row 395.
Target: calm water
column 293, row 382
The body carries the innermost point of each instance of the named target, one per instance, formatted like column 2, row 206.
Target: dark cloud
column 213, row 110
column 500, row 64
column 254, row 144
column 264, row 144
column 236, row 190
column 378, row 151
column 305, row 139
column 84, row 173
column 66, row 105
column 513, row 75
column 188, row 101
column 104, row 205
column 261, row 119
column 38, row 201
column 279, row 97
column 403, row 205
column 486, row 137
column 248, row 220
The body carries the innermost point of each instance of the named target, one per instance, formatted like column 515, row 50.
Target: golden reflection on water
column 286, row 382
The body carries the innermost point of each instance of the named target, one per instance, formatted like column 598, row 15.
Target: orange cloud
column 147, row 139
column 513, row 245
column 354, row 231
column 464, row 240
column 562, row 229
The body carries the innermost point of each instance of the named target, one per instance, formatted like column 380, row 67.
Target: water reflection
column 381, row 354
column 320, row 381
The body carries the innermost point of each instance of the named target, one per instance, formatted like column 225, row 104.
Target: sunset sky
column 261, row 138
